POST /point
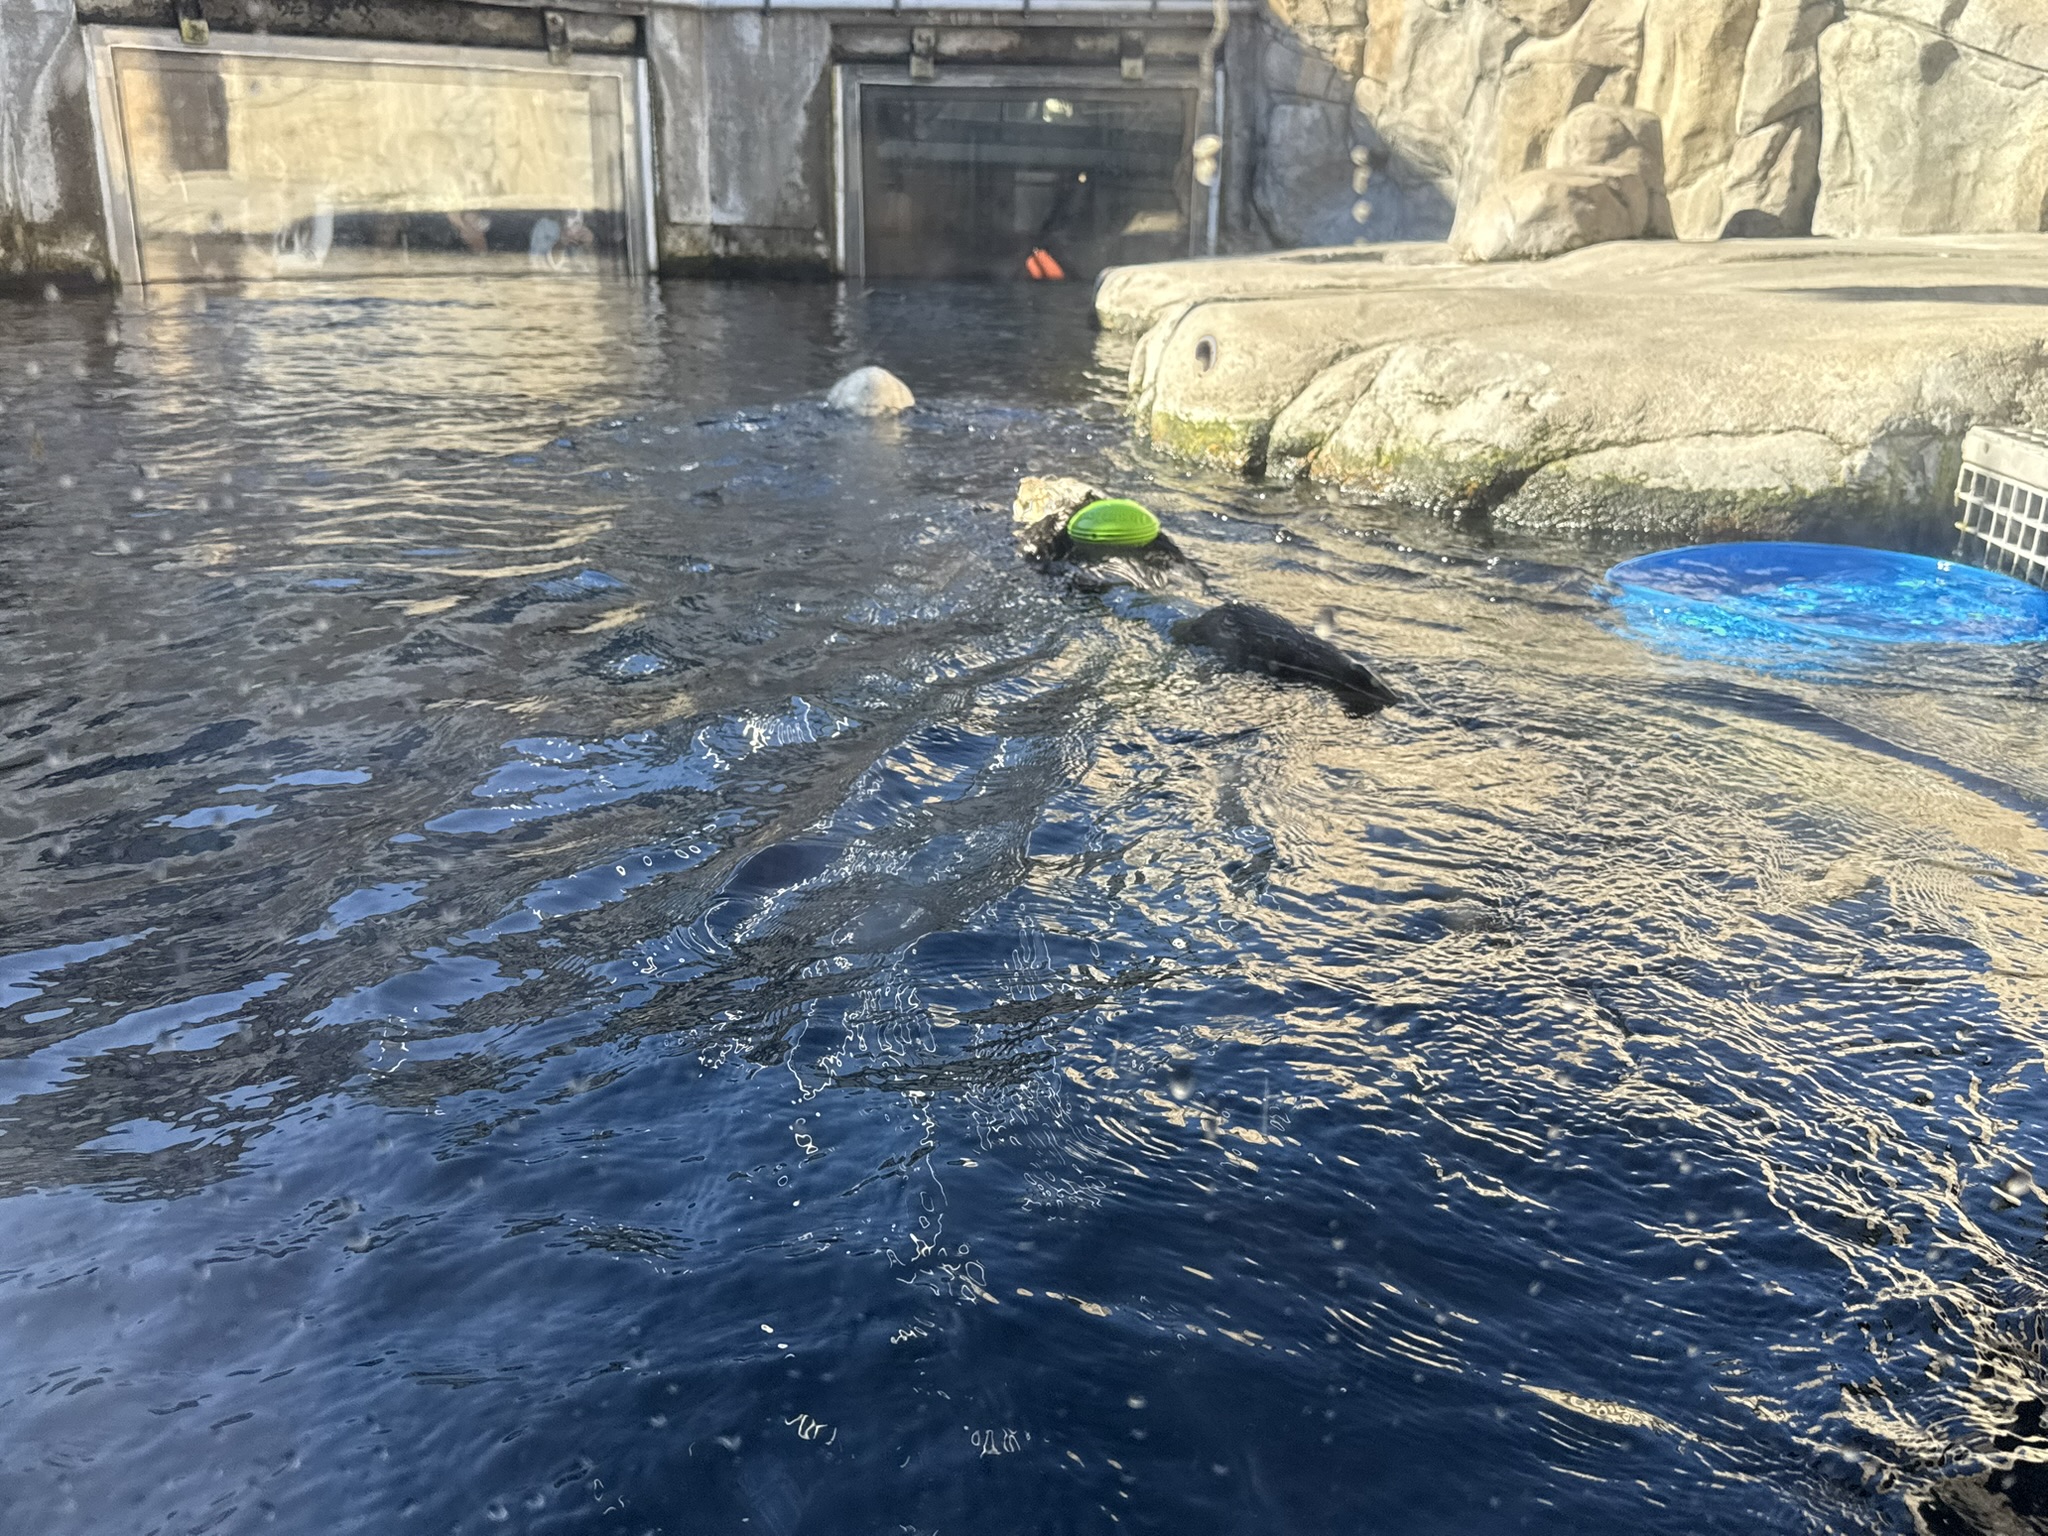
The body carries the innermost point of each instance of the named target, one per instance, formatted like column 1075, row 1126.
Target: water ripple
column 592, row 945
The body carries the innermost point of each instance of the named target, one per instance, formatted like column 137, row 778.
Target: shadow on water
column 589, row 950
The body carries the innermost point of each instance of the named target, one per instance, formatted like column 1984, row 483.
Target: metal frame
column 2002, row 502
column 950, row 13
column 848, row 80
column 117, row 191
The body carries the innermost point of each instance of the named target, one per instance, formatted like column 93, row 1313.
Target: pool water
column 586, row 950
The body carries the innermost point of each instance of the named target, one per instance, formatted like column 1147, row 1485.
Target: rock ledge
column 1733, row 389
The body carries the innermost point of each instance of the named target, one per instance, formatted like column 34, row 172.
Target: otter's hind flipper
column 1248, row 639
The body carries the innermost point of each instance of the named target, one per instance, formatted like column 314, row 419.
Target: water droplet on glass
column 1180, row 1081
column 496, row 1512
column 1135, row 1401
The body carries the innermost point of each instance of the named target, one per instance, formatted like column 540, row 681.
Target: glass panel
column 971, row 182
column 251, row 166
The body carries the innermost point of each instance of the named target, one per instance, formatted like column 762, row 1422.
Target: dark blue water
column 585, row 950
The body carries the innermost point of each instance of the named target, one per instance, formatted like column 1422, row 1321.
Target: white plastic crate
column 2002, row 502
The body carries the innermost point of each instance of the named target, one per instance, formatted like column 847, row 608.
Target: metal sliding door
column 976, row 173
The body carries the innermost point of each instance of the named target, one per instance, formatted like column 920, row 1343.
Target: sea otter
column 1098, row 543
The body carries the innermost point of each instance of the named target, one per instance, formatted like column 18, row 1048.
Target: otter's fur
column 1161, row 566
column 1243, row 638
column 1248, row 639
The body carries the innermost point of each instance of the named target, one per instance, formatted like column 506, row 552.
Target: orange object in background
column 1043, row 268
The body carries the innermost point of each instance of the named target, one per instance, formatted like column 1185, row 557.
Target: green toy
column 1114, row 524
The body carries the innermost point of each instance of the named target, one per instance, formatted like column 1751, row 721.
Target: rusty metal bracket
column 1131, row 54
column 192, row 29
column 555, row 27
column 924, row 52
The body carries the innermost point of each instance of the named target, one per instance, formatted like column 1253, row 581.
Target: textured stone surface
column 1466, row 96
column 1135, row 298
column 1604, row 180
column 1764, row 388
column 1429, row 88
column 1544, row 79
column 1548, row 212
column 1543, row 18
column 870, row 391
column 1309, row 54
column 1041, row 496
column 1302, row 185
column 1934, row 122
column 1781, row 65
column 1780, row 117
column 1692, row 78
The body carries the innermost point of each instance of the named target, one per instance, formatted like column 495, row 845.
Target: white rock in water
column 870, row 392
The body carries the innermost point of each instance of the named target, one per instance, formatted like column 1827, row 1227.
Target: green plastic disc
column 1113, row 525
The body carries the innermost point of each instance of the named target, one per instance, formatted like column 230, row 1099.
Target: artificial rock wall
column 1835, row 117
column 1935, row 118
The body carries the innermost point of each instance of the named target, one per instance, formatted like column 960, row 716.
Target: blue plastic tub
column 1823, row 595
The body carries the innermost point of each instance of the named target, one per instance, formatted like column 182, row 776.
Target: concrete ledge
column 1734, row 389
column 742, row 250
column 1134, row 298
